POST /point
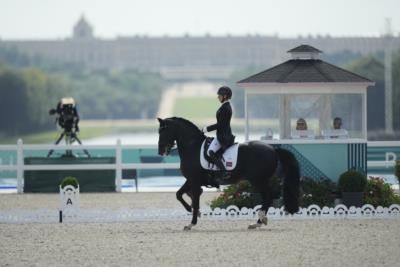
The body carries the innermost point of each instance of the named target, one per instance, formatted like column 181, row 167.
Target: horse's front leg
column 196, row 192
column 179, row 195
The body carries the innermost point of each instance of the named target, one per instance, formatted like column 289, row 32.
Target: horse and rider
column 256, row 161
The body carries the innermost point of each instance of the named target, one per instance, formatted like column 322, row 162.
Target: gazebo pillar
column 325, row 120
column 246, row 117
column 284, row 116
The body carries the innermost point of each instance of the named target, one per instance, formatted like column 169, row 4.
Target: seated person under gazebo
column 302, row 130
column 337, row 131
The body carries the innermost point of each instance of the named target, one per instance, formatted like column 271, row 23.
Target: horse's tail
column 291, row 182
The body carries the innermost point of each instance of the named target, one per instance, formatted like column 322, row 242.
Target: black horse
column 257, row 162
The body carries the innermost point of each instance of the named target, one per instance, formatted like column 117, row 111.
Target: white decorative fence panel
column 230, row 213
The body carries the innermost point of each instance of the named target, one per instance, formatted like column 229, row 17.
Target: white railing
column 118, row 166
column 108, row 215
column 386, row 164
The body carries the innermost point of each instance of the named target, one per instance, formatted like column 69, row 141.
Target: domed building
column 82, row 29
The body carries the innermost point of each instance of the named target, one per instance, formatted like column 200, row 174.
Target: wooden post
column 118, row 169
column 20, row 166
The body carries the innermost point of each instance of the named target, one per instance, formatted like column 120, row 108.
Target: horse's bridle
column 170, row 145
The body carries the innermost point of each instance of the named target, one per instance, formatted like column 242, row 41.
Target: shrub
column 379, row 193
column 397, row 170
column 69, row 180
column 276, row 187
column 317, row 191
column 240, row 194
column 352, row 181
column 243, row 194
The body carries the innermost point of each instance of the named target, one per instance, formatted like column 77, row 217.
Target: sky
column 54, row 19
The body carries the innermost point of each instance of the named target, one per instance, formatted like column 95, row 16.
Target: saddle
column 229, row 158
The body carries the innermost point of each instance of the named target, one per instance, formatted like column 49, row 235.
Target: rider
column 224, row 133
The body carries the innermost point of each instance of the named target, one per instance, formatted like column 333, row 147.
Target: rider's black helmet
column 225, row 91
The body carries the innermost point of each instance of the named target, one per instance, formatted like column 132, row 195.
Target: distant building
column 82, row 29
column 186, row 56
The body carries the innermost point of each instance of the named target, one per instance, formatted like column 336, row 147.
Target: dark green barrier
column 41, row 181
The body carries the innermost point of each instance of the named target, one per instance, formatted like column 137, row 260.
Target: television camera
column 67, row 118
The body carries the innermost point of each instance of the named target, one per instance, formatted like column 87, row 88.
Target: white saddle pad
column 229, row 158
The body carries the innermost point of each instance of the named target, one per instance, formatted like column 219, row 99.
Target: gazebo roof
column 304, row 48
column 305, row 68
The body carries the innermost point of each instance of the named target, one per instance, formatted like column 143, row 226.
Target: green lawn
column 196, row 108
column 87, row 131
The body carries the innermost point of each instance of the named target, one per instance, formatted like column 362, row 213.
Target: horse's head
column 178, row 130
column 167, row 137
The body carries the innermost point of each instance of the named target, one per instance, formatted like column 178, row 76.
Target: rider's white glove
column 204, row 130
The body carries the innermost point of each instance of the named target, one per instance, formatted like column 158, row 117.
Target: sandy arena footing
column 334, row 242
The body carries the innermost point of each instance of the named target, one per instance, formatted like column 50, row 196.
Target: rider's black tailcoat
column 223, row 125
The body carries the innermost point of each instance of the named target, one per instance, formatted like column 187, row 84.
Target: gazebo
column 308, row 89
column 305, row 86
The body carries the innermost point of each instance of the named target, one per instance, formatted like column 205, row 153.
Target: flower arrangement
column 240, row 195
column 397, row 170
column 243, row 194
column 379, row 193
column 317, row 191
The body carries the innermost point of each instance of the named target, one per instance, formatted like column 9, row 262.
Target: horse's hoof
column 254, row 226
column 188, row 227
column 264, row 220
column 262, row 217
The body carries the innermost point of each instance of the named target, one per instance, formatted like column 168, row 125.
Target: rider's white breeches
column 214, row 146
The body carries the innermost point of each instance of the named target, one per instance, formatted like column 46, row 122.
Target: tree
column 14, row 102
column 396, row 89
column 26, row 97
column 373, row 69
column 238, row 93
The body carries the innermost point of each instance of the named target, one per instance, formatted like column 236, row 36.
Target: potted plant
column 352, row 185
column 69, row 180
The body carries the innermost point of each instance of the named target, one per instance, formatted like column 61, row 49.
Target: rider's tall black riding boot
column 217, row 160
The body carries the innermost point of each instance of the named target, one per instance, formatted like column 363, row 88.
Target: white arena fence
column 118, row 166
column 230, row 213
column 20, row 149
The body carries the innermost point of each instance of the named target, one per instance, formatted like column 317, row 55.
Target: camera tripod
column 70, row 137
